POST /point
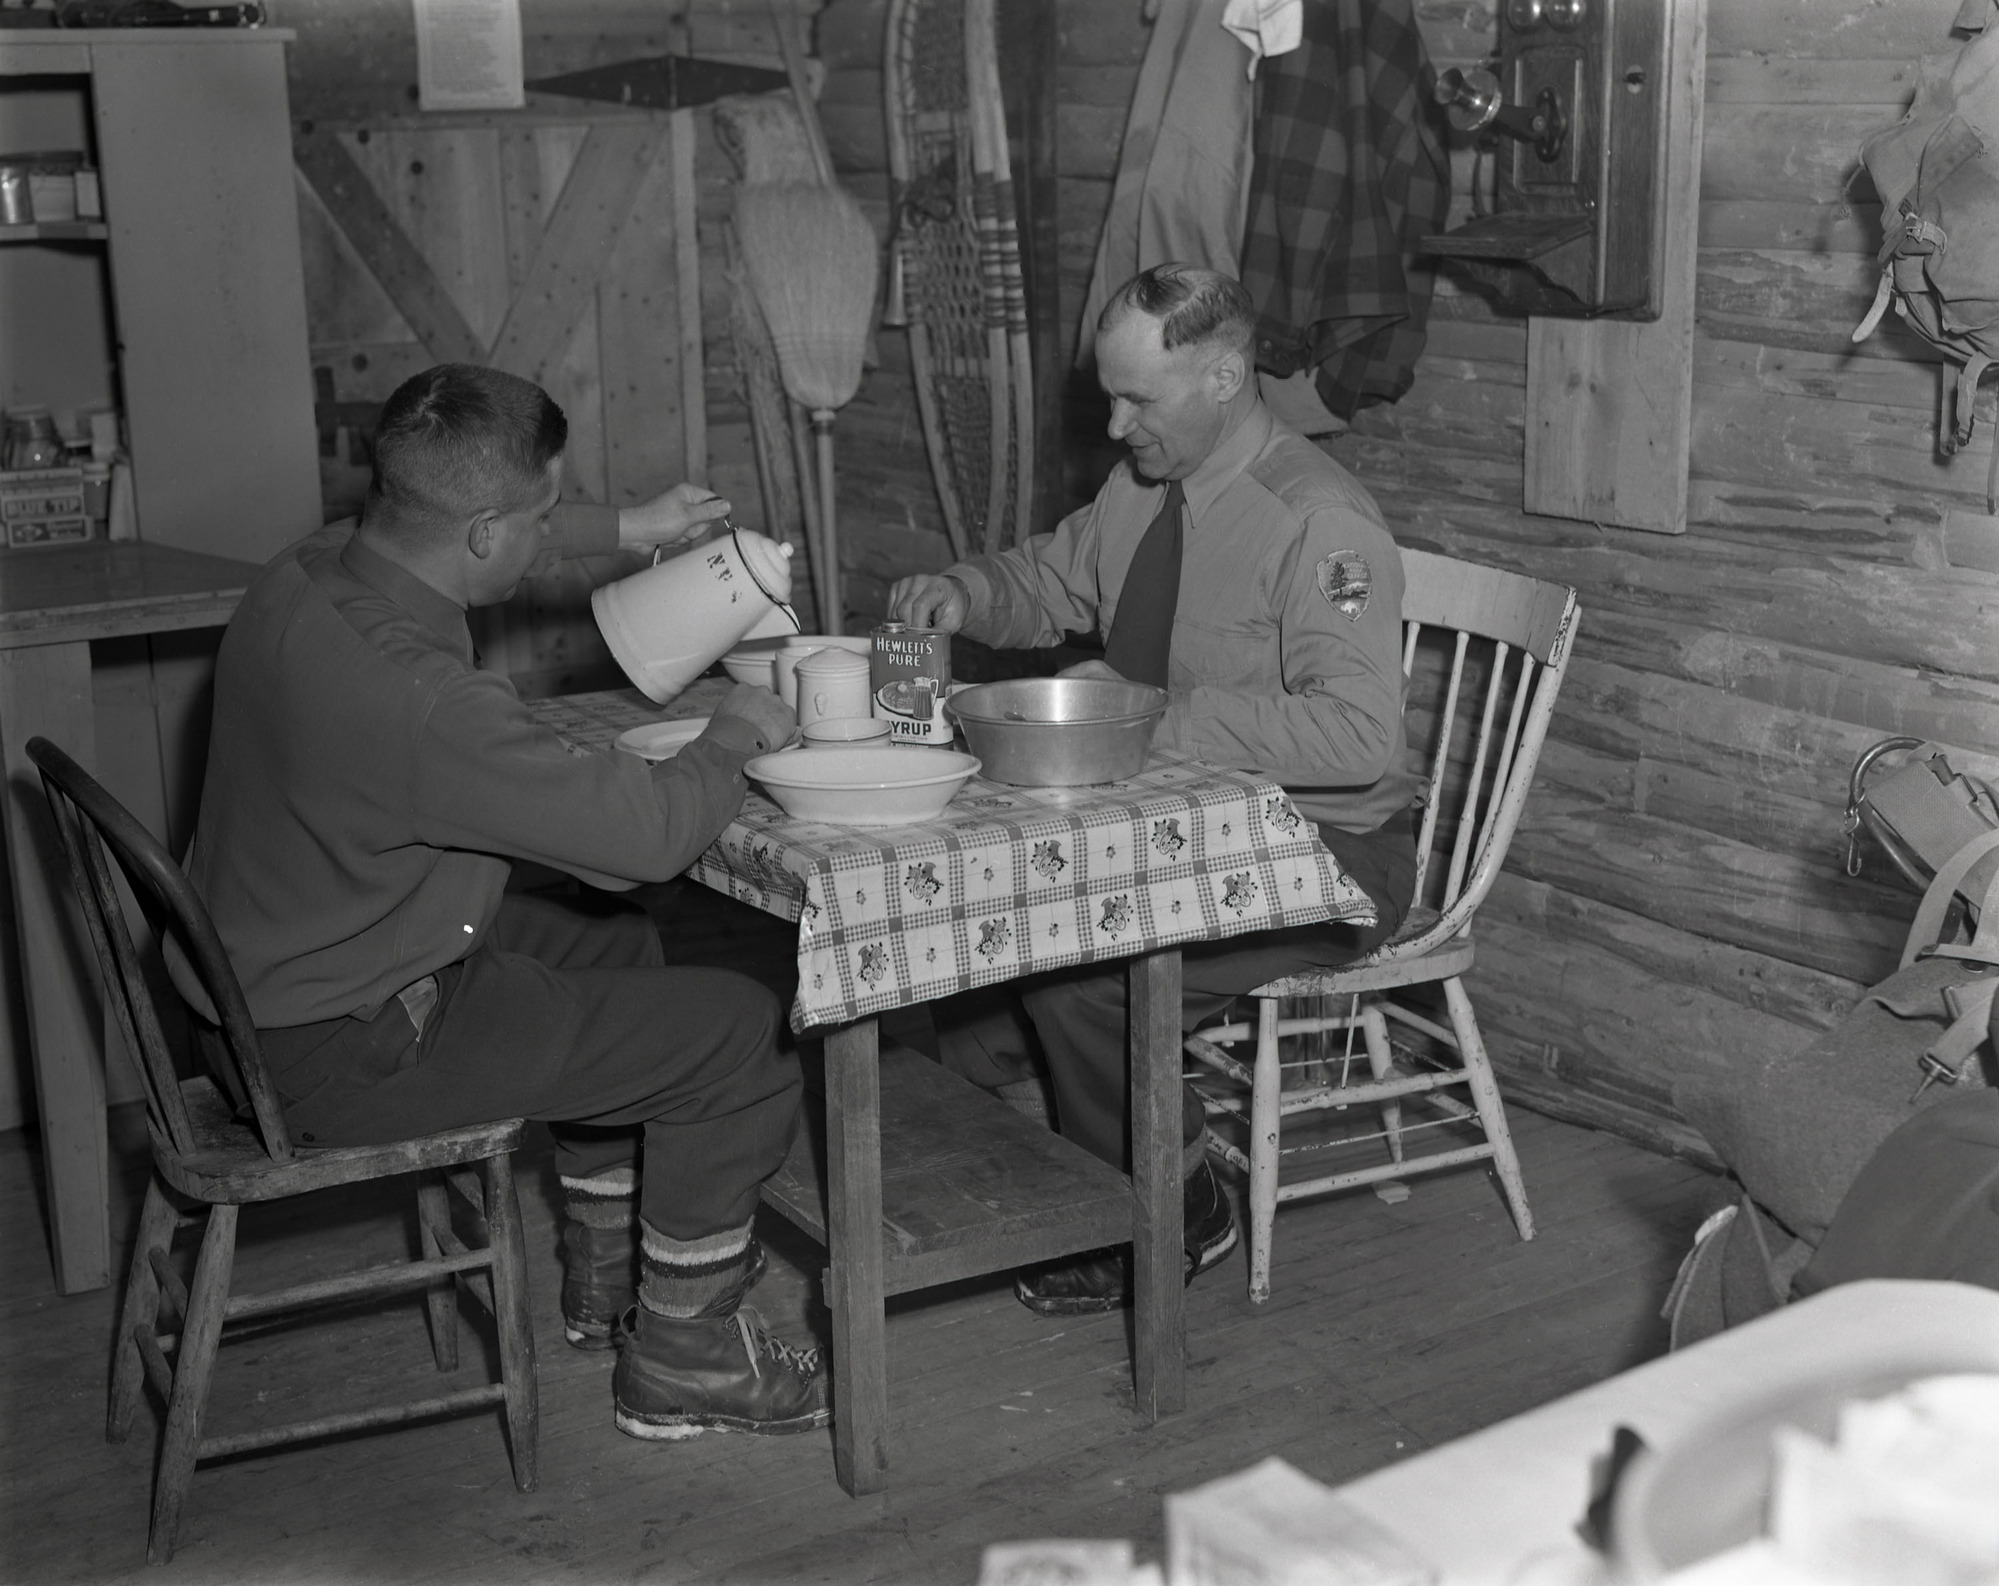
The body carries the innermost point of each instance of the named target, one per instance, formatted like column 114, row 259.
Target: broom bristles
column 813, row 261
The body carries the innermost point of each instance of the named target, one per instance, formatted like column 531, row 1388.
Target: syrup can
column 910, row 674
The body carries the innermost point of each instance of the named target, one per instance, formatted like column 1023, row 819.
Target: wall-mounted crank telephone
column 1573, row 105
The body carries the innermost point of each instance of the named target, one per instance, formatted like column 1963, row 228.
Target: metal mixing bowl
column 1059, row 731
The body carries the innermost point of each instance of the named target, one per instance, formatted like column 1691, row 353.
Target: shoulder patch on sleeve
column 1346, row 581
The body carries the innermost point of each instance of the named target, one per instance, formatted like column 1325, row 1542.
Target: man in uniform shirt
column 1233, row 563
column 368, row 791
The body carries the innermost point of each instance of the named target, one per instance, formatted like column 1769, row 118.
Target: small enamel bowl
column 846, row 732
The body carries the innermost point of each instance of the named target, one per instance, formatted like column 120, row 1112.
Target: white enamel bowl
column 662, row 740
column 901, row 785
column 756, row 661
column 846, row 732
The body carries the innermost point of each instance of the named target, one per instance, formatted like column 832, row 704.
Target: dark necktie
column 1141, row 636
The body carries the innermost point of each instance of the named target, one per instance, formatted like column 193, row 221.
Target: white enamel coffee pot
column 669, row 623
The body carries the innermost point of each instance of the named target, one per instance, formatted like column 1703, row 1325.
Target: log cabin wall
column 1677, row 894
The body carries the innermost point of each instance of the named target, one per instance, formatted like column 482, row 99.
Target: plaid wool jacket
column 1349, row 173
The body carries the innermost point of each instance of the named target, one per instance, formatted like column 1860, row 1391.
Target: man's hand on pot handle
column 930, row 600
column 670, row 518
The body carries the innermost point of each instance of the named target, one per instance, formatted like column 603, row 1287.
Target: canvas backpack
column 1937, row 171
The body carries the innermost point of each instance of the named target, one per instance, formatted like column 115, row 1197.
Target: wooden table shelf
column 969, row 1185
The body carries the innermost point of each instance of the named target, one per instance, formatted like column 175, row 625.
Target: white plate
column 900, row 785
column 662, row 740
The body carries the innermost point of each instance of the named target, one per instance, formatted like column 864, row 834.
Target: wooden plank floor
column 1391, row 1328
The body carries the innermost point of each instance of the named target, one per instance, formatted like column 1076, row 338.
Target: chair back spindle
column 94, row 828
column 1509, row 646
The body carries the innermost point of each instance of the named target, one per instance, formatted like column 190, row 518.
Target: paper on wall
column 468, row 55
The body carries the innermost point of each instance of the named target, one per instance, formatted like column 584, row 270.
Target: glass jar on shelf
column 32, row 441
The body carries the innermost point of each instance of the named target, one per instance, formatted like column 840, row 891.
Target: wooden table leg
column 854, row 1256
column 1157, row 1237
column 45, row 690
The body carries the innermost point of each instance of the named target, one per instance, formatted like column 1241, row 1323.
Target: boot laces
column 759, row 1340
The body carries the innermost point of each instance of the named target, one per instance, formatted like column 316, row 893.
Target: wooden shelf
column 969, row 1185
column 56, row 231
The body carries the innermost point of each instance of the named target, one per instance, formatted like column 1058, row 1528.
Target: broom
column 811, row 256
column 812, row 261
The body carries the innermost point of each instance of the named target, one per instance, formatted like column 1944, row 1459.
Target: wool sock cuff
column 604, row 1200
column 687, row 1278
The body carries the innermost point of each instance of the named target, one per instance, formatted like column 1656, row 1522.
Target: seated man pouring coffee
column 1233, row 563
column 368, row 792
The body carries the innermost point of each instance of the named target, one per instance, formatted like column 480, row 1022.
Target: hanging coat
column 1349, row 172
column 1183, row 169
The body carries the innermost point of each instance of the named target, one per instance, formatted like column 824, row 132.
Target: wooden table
column 927, row 1179
column 52, row 604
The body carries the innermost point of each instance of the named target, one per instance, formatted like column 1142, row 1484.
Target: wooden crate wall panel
column 344, row 303
column 442, row 189
column 638, row 310
column 594, row 205
column 384, row 246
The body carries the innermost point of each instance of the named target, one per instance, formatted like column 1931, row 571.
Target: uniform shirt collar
column 1218, row 470
column 442, row 615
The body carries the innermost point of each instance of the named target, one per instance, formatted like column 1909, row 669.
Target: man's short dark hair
column 1194, row 307
column 459, row 438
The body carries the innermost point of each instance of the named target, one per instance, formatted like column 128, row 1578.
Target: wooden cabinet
column 193, row 146
column 184, row 306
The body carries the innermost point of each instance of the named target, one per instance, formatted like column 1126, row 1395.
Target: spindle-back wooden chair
column 214, row 1153
column 1483, row 707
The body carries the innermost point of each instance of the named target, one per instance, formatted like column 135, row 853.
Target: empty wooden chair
column 210, row 1159
column 1485, row 652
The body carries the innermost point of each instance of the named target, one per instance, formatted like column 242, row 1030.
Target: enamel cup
column 785, row 669
column 832, row 684
column 669, row 623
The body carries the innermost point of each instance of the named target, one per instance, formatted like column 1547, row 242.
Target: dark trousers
column 1080, row 1015
column 567, row 1014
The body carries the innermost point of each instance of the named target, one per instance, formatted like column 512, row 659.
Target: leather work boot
column 678, row 1379
column 1100, row 1280
column 600, row 1282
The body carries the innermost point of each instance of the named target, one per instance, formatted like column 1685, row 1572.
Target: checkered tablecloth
column 1008, row 881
